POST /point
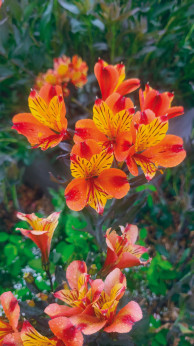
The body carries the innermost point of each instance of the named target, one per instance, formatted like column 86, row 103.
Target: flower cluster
column 114, row 143
column 64, row 71
column 90, row 303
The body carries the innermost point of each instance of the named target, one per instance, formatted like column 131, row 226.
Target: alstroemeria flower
column 94, row 182
column 111, row 79
column 159, row 103
column 42, row 231
column 102, row 313
column 121, row 250
column 86, row 149
column 79, row 70
column 82, row 292
column 64, row 330
column 9, row 332
column 62, row 68
column 107, row 128
column 46, row 125
column 153, row 148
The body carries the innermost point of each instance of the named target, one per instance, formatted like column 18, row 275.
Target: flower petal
column 168, row 153
column 86, row 129
column 86, row 149
column 11, row 308
column 13, row 339
column 174, row 112
column 117, row 102
column 107, row 77
column 124, row 320
column 30, row 336
column 103, row 118
column 128, row 86
column 151, row 134
column 5, row 329
column 114, row 182
column 114, row 278
column 76, row 194
column 73, row 272
column 63, row 328
column 56, row 310
column 88, row 324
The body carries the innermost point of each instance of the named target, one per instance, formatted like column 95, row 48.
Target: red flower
column 46, row 125
column 79, row 71
column 64, row 330
column 122, row 251
column 94, row 182
column 159, row 103
column 79, row 295
column 42, row 231
column 102, row 313
column 9, row 333
column 111, row 79
column 107, row 128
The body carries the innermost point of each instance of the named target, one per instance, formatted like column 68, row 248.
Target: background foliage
column 154, row 39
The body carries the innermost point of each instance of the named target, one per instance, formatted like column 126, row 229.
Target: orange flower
column 46, row 125
column 42, row 231
column 122, row 251
column 9, row 334
column 111, row 79
column 107, row 128
column 94, row 182
column 79, row 71
column 152, row 148
column 64, row 330
column 102, row 313
column 62, row 68
column 159, row 103
column 79, row 296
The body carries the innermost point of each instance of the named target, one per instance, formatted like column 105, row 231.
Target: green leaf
column 143, row 233
column 10, row 252
column 65, row 250
column 3, row 236
column 69, row 7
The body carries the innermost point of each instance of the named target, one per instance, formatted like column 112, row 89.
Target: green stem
column 14, row 196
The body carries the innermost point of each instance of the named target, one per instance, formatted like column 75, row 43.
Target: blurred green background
column 154, row 39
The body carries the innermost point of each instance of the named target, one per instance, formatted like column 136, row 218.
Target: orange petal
column 86, row 129
column 56, row 310
column 88, row 324
column 86, row 149
column 168, row 153
column 122, row 146
column 32, row 129
column 73, row 272
column 5, row 329
column 149, row 167
column 128, row 260
column 107, row 77
column 158, row 103
column 117, row 102
column 131, row 232
column 76, row 194
column 11, row 308
column 114, row 181
column 113, row 279
column 13, row 339
column 30, row 336
column 128, row 86
column 132, row 166
column 63, row 328
column 174, row 112
column 124, row 320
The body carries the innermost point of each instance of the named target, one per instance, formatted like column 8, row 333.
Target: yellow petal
column 103, row 118
column 122, row 121
column 151, row 134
